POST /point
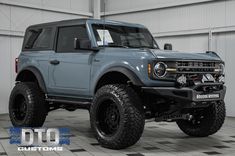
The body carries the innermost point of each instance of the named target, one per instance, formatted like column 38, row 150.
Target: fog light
column 182, row 80
column 222, row 79
column 207, row 78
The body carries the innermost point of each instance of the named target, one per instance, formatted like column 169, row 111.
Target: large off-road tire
column 117, row 116
column 27, row 107
column 205, row 122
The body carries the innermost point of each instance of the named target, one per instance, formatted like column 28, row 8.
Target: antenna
column 104, row 5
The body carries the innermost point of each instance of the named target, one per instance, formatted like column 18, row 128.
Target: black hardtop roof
column 80, row 21
column 61, row 23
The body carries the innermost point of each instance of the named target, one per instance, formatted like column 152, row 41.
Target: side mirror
column 83, row 44
column 167, row 46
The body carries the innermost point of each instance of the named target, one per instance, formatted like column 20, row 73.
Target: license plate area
column 207, row 96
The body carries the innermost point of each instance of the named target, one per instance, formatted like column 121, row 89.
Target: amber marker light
column 149, row 69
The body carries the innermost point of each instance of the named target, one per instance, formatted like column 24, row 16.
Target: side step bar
column 79, row 103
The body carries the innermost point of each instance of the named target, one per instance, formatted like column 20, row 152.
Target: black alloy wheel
column 108, row 117
column 19, row 107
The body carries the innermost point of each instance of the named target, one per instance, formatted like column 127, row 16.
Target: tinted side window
column 38, row 39
column 65, row 42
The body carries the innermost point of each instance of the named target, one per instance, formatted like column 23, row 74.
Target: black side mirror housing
column 167, row 46
column 83, row 44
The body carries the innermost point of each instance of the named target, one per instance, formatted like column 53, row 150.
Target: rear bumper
column 189, row 95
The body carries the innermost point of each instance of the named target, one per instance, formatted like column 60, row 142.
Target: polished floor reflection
column 158, row 139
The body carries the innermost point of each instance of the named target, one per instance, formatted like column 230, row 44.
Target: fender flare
column 36, row 73
column 127, row 72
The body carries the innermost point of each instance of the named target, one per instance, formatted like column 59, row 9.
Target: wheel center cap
column 113, row 117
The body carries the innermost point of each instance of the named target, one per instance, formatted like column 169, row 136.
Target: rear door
column 69, row 70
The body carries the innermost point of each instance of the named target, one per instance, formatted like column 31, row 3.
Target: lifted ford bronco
column 116, row 71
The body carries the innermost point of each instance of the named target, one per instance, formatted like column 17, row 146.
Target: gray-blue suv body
column 116, row 71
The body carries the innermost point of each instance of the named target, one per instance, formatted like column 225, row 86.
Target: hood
column 175, row 55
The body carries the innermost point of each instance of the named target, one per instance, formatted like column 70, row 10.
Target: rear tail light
column 16, row 65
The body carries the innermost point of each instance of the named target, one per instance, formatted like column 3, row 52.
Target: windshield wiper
column 149, row 47
column 121, row 46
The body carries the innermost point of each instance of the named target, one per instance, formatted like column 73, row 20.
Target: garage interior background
column 190, row 25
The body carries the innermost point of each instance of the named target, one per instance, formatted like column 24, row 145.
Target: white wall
column 186, row 24
column 15, row 16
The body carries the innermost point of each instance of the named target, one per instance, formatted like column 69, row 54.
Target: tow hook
column 189, row 117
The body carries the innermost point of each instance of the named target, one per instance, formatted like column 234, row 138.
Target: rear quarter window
column 38, row 39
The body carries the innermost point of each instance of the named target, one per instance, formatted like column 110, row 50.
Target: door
column 69, row 71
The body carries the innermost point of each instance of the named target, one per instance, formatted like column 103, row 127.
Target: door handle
column 96, row 60
column 54, row 62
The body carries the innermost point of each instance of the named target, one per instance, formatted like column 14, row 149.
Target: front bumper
column 189, row 95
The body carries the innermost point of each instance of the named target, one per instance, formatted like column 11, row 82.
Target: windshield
column 123, row 36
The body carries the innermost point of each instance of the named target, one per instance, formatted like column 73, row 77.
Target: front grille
column 195, row 67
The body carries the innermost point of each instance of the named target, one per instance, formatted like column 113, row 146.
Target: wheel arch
column 120, row 74
column 33, row 74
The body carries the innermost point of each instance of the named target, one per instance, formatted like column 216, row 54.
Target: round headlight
column 160, row 69
column 221, row 68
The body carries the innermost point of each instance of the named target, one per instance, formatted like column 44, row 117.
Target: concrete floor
column 158, row 139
